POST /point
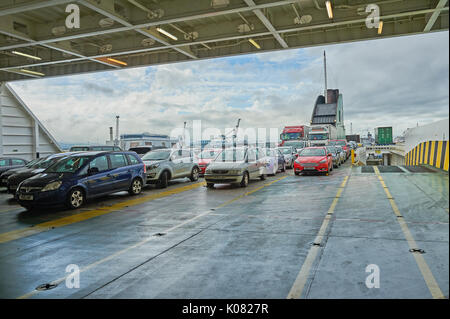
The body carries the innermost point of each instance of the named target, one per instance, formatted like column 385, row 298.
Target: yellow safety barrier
column 433, row 153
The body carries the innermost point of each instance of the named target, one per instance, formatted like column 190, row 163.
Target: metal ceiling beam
column 237, row 37
column 54, row 47
column 267, row 23
column 435, row 15
column 92, row 6
column 156, row 23
column 31, row 6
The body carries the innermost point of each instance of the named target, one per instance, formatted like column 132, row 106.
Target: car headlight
column 153, row 166
column 51, row 186
column 323, row 161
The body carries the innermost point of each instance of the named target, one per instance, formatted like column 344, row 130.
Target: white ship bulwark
column 22, row 134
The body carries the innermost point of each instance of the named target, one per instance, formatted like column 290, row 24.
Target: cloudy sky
column 395, row 82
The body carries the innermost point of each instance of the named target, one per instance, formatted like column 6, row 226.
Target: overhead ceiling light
column 32, row 72
column 167, row 34
column 116, row 61
column 329, row 9
column 216, row 4
column 27, row 55
column 380, row 27
column 254, row 43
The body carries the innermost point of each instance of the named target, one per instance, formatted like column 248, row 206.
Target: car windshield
column 312, row 152
column 68, row 165
column 331, row 149
column 340, row 143
column 208, row 154
column 290, row 136
column 295, row 144
column 231, row 155
column 47, row 162
column 140, row 150
column 315, row 137
column 79, row 148
column 33, row 162
column 286, row 150
column 156, row 155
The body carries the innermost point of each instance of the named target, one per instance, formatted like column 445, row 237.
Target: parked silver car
column 235, row 166
column 342, row 153
column 167, row 164
column 289, row 155
column 337, row 158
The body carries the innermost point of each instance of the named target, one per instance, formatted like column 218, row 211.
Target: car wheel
column 29, row 208
column 284, row 168
column 163, row 181
column 75, row 199
column 136, row 187
column 194, row 174
column 210, row 185
column 297, row 173
column 244, row 182
column 263, row 177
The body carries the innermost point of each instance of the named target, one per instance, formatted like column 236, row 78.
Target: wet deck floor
column 188, row 241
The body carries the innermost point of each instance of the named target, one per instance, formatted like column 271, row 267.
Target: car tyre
column 297, row 173
column 75, row 198
column 29, row 208
column 163, row 181
column 194, row 174
column 263, row 177
column 135, row 187
column 244, row 182
column 210, row 185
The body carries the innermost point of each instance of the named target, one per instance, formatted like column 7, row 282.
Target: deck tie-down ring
column 46, row 286
column 417, row 250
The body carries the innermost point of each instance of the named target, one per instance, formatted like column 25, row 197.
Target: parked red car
column 313, row 159
column 342, row 143
column 205, row 157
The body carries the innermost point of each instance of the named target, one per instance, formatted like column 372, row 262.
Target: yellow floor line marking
column 302, row 277
column 64, row 221
column 431, row 282
column 120, row 252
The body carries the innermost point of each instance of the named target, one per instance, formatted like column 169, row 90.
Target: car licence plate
column 309, row 168
column 25, row 197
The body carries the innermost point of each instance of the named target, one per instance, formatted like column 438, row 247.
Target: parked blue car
column 81, row 176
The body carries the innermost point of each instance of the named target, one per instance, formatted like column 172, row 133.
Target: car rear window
column 133, row 160
column 140, row 150
column 118, row 160
column 4, row 162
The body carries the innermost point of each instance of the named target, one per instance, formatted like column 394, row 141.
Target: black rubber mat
column 367, row 169
column 419, row 169
column 390, row 169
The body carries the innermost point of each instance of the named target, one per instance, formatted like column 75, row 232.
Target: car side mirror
column 93, row 171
